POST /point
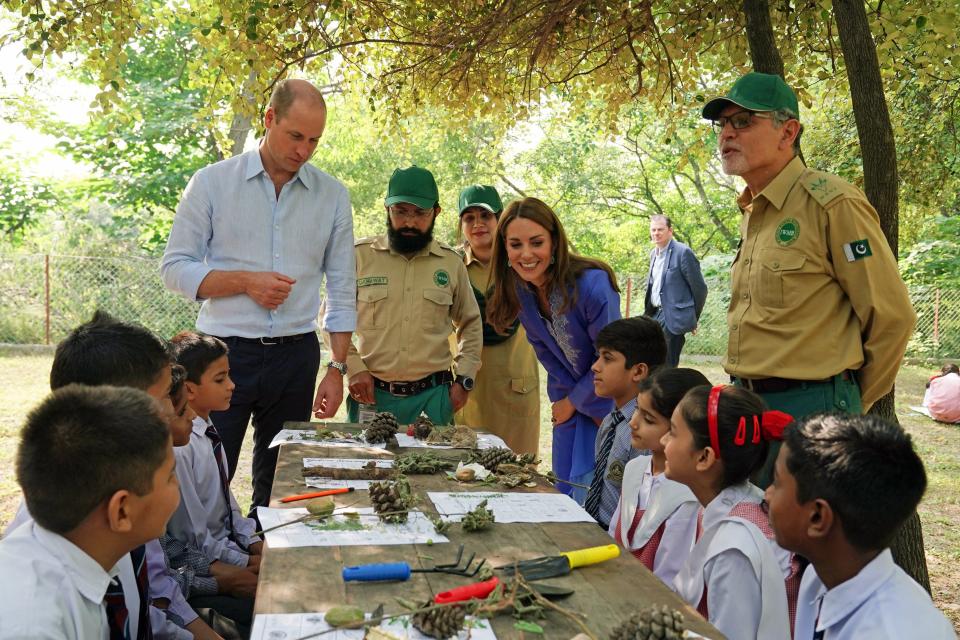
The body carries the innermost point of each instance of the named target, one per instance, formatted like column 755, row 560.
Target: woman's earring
column 508, row 263
column 553, row 258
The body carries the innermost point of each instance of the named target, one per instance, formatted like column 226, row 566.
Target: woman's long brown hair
column 503, row 306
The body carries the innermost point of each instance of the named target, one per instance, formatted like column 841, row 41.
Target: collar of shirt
column 200, row 426
column 720, row 506
column 779, row 188
column 468, row 257
column 255, row 167
column 88, row 576
column 843, row 599
column 382, row 243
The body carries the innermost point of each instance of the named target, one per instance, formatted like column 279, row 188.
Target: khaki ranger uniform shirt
column 815, row 287
column 405, row 307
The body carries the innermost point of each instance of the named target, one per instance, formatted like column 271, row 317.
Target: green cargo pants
column 435, row 402
column 839, row 394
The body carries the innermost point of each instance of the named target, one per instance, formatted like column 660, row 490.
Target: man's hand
column 361, row 387
column 329, row 394
column 458, row 396
column 268, row 289
column 562, row 410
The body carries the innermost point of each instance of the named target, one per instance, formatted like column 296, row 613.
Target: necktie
column 117, row 613
column 217, row 444
column 592, row 503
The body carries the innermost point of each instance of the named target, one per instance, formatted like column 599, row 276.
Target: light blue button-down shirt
column 230, row 219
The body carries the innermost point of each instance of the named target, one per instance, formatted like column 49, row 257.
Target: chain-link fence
column 42, row 297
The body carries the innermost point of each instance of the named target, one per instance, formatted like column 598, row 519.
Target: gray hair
column 780, row 116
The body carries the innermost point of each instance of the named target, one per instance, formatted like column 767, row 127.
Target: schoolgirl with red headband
column 736, row 575
column 656, row 518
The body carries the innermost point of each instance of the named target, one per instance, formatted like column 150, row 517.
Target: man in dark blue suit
column 676, row 290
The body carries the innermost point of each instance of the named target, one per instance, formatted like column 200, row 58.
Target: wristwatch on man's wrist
column 465, row 381
column 339, row 366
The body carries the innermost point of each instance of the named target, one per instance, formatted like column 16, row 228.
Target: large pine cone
column 389, row 501
column 422, row 427
column 655, row 623
column 440, row 623
column 492, row 458
column 383, row 427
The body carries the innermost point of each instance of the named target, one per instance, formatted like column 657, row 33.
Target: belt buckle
column 269, row 342
column 397, row 392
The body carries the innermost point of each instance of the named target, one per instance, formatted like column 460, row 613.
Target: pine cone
column 492, row 458
column 390, row 500
column 422, row 427
column 439, row 623
column 383, row 427
column 654, row 623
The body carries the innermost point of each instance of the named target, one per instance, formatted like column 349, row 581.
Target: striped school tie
column 217, row 443
column 117, row 613
column 592, row 503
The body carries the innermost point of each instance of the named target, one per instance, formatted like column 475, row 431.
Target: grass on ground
column 24, row 382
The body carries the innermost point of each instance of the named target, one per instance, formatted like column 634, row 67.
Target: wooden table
column 306, row 579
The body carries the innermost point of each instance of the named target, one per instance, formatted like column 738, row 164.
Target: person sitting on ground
column 629, row 350
column 942, row 397
column 842, row 487
column 96, row 469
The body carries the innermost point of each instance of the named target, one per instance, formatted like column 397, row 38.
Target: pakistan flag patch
column 857, row 250
column 441, row 278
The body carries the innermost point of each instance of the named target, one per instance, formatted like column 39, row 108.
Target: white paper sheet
column 341, row 463
column 291, row 626
column 305, row 436
column 484, row 441
column 511, row 507
column 342, row 530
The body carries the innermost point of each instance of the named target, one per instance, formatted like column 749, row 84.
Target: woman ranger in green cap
column 506, row 397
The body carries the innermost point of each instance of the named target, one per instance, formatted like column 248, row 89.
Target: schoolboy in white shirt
column 842, row 486
column 97, row 471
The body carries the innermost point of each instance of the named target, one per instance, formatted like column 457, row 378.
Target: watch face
column 467, row 383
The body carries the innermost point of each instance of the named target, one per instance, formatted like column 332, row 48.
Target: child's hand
column 253, row 562
column 256, row 548
column 241, row 583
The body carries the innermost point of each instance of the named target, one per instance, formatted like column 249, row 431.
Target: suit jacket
column 683, row 291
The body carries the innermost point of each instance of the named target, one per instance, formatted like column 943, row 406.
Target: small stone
column 465, row 475
column 344, row 616
column 321, row 506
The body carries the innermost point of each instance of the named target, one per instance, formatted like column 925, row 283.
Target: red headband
column 768, row 426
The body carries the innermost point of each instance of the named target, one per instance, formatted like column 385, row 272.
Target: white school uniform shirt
column 663, row 501
column 742, row 570
column 881, row 602
column 201, row 518
column 161, row 585
column 52, row 588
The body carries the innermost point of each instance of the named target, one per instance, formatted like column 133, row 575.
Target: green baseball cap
column 413, row 185
column 480, row 195
column 755, row 92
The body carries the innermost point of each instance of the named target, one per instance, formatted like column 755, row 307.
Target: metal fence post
column 936, row 320
column 46, row 297
column 629, row 291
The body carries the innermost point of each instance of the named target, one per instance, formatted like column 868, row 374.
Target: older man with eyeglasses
column 412, row 291
column 819, row 316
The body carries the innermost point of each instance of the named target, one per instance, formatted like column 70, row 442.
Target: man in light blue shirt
column 253, row 238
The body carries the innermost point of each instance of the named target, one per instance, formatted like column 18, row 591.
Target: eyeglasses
column 739, row 120
column 416, row 214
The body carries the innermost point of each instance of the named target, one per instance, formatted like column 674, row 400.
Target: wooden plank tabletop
column 306, row 579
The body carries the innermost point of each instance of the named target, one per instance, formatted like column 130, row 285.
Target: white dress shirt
column 51, row 588
column 742, row 571
column 664, row 502
column 201, row 518
column 881, row 602
column 659, row 264
column 161, row 584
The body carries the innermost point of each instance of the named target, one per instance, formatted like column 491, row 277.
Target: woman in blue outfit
column 562, row 300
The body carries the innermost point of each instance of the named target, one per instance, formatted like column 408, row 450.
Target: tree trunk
column 764, row 53
column 880, row 182
column 243, row 120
